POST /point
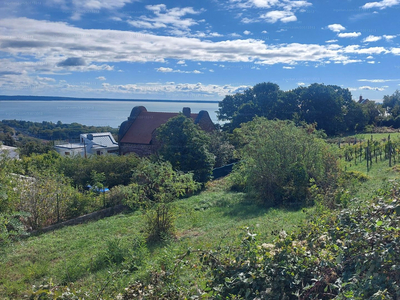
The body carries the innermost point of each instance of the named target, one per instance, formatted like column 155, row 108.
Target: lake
column 96, row 113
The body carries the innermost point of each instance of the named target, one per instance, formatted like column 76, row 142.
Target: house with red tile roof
column 138, row 133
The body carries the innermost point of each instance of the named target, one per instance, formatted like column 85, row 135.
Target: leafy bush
column 350, row 254
column 156, row 186
column 279, row 159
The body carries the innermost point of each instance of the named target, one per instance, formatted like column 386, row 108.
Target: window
column 67, row 153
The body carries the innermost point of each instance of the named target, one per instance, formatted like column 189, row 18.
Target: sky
column 197, row 50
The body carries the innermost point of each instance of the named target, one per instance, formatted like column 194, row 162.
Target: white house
column 90, row 144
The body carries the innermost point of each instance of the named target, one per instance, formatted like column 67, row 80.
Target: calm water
column 97, row 113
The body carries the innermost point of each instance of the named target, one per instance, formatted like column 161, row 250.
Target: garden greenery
column 278, row 160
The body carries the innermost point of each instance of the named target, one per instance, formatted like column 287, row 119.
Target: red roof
column 144, row 125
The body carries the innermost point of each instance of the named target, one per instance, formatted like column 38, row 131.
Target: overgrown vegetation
column 291, row 222
column 279, row 160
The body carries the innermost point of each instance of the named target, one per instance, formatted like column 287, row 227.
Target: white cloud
column 389, row 37
column 349, row 34
column 288, row 68
column 248, row 20
column 82, row 7
column 331, row 41
column 370, row 57
column 336, row 27
column 281, row 10
column 370, row 88
column 276, row 15
column 181, row 62
column 264, row 31
column 181, row 89
column 44, row 47
column 170, row 70
column 101, row 78
column 266, row 4
column 371, row 62
column 211, row 70
column 164, row 18
column 301, row 83
column 381, row 4
column 378, row 80
column 246, row 32
column 372, row 38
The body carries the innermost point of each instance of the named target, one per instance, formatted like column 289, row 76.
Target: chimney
column 186, row 112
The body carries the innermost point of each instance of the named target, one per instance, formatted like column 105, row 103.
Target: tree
column 185, row 146
column 264, row 99
column 392, row 103
column 279, row 160
column 9, row 140
column 325, row 105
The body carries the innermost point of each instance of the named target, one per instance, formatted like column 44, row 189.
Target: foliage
column 330, row 106
column 392, row 103
column 221, row 147
column 279, row 159
column 185, row 146
column 116, row 169
column 11, row 227
column 157, row 185
column 348, row 254
column 160, row 222
column 35, row 147
column 45, row 197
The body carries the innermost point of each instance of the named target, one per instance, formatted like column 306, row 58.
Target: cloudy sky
column 190, row 49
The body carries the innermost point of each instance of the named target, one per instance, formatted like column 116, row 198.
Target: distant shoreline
column 50, row 98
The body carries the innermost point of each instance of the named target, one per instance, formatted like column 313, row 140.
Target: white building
column 90, row 144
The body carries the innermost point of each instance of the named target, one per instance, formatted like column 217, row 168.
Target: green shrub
column 160, row 222
column 278, row 159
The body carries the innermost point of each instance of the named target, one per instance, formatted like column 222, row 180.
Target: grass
column 87, row 255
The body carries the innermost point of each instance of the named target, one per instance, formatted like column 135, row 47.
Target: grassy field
column 103, row 257
column 88, row 254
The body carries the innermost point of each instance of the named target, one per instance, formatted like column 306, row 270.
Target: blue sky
column 196, row 49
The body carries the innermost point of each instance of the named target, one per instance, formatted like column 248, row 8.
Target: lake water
column 96, row 113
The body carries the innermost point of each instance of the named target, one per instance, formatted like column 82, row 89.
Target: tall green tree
column 186, row 146
column 326, row 105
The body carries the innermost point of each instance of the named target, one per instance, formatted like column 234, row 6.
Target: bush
column 278, row 160
column 350, row 254
column 160, row 222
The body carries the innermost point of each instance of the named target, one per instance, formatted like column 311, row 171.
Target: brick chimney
column 186, row 111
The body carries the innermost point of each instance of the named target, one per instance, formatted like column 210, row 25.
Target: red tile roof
column 144, row 125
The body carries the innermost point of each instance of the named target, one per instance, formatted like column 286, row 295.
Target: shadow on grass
column 249, row 209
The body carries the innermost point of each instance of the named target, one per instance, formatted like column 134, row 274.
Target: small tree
column 156, row 186
column 185, row 146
